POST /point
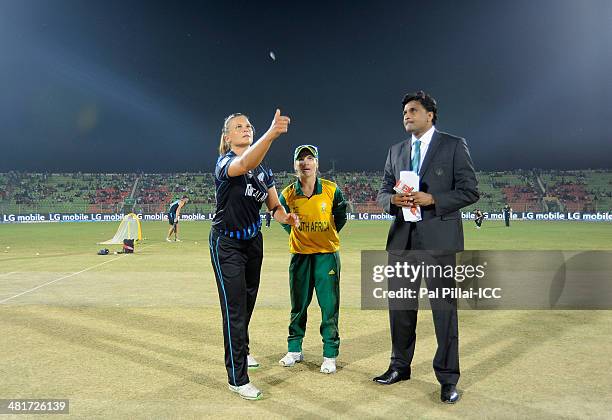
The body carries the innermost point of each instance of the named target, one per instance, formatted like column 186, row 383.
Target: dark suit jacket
column 448, row 174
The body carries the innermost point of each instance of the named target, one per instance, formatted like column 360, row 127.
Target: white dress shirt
column 425, row 140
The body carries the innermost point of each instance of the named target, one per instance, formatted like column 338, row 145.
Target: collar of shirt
column 318, row 189
column 425, row 140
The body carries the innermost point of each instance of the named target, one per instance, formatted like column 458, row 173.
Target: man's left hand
column 420, row 198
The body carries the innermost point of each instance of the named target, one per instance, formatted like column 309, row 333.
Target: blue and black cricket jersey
column 239, row 198
column 172, row 211
column 173, row 206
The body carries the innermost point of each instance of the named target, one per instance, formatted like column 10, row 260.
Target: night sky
column 125, row 86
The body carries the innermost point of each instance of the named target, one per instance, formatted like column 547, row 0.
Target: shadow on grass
column 98, row 340
column 352, row 390
column 426, row 395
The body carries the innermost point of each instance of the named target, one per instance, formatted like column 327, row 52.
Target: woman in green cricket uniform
column 315, row 261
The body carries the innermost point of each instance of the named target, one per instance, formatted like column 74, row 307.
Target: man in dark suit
column 447, row 184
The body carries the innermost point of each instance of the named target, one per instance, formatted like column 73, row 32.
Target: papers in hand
column 408, row 182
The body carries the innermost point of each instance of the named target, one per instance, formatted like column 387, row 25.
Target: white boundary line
column 8, row 274
column 65, row 277
column 37, row 263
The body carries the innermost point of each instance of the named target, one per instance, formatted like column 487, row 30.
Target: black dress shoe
column 392, row 376
column 449, row 394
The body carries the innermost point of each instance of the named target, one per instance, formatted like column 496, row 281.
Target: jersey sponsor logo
column 323, row 208
column 250, row 191
column 261, row 177
column 317, row 226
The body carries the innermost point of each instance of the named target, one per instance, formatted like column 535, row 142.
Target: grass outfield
column 139, row 336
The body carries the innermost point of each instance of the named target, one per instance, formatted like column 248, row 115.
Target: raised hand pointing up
column 280, row 125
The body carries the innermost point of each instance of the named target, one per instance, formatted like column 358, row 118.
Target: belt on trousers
column 242, row 234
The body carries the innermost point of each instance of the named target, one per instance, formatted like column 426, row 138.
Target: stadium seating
column 579, row 190
column 532, row 190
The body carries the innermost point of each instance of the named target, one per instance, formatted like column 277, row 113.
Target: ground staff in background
column 242, row 185
column 315, row 261
column 174, row 215
column 507, row 213
column 479, row 218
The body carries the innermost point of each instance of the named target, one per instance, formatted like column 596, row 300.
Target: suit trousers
column 403, row 313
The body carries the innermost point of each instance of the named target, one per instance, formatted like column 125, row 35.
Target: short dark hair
column 184, row 197
column 428, row 102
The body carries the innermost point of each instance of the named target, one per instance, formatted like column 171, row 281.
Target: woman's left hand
column 293, row 220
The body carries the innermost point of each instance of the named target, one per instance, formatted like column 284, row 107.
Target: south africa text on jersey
column 318, row 226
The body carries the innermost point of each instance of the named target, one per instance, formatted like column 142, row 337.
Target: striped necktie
column 416, row 156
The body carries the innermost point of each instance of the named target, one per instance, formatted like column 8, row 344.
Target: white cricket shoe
column 247, row 391
column 291, row 358
column 168, row 240
column 251, row 362
column 177, row 240
column 328, row 365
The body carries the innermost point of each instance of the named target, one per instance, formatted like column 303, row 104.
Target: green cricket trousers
column 320, row 272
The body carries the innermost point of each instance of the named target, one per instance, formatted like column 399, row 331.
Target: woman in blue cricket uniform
column 243, row 183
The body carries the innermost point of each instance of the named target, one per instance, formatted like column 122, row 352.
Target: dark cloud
column 86, row 84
